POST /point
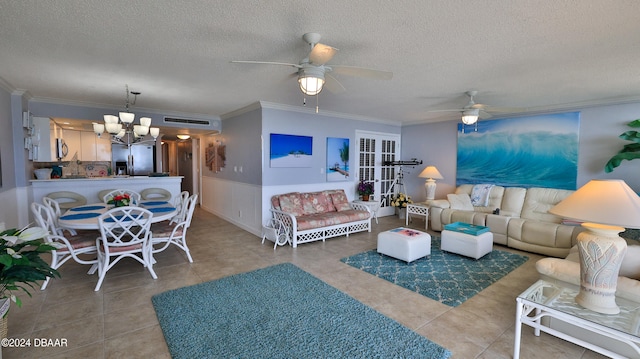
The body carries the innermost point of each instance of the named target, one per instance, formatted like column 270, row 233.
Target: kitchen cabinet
column 73, row 140
column 87, row 145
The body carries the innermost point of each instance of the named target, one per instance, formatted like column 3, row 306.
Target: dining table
column 86, row 216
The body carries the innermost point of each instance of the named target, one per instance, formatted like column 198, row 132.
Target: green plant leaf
column 617, row 159
column 634, row 123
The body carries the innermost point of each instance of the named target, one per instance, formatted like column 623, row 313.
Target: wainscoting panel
column 238, row 203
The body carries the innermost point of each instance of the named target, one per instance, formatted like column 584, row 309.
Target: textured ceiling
column 534, row 55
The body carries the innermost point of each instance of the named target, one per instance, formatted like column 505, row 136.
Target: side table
column 544, row 302
column 419, row 209
column 374, row 206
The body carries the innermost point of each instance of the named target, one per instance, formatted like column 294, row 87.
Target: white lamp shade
column 113, row 128
column 121, row 133
column 610, row 202
column 145, row 121
column 127, row 117
column 140, row 130
column 430, row 172
column 154, row 132
column 98, row 128
column 110, row 119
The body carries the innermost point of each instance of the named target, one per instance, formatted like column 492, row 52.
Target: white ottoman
column 404, row 244
column 466, row 244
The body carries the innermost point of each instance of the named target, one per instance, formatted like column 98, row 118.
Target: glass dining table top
column 86, row 216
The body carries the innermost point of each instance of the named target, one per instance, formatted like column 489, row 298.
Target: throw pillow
column 340, row 201
column 460, row 201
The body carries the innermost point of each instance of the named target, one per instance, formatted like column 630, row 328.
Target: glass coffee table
column 545, row 301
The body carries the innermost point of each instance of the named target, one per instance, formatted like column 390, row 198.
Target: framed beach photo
column 290, row 150
column 337, row 159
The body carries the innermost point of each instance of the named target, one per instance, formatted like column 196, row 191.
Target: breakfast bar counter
column 89, row 187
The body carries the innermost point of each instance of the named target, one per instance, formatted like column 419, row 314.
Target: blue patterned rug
column 280, row 312
column 446, row 277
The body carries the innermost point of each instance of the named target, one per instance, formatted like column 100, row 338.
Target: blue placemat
column 155, row 203
column 80, row 215
column 86, row 208
column 161, row 209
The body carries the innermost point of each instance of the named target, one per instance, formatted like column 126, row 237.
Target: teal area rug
column 280, row 312
column 446, row 277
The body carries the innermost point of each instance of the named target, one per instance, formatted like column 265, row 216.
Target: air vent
column 187, row 120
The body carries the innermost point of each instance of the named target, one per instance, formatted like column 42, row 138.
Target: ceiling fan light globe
column 310, row 85
column 469, row 119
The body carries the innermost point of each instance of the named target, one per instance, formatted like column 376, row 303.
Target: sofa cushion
column 317, row 202
column 340, row 201
column 495, row 197
column 319, row 220
column 291, row 203
column 460, row 201
column 539, row 201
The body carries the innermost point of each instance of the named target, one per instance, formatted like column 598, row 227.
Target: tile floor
column 119, row 320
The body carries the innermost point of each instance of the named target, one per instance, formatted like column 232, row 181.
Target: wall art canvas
column 533, row 151
column 337, row 159
column 290, row 150
column 215, row 156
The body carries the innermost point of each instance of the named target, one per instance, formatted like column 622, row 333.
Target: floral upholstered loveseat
column 313, row 216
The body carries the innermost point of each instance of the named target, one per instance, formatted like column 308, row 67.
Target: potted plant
column 21, row 266
column 630, row 151
column 365, row 189
column 120, row 200
column 400, row 201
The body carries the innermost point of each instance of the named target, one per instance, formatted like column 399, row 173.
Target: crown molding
column 56, row 101
column 311, row 110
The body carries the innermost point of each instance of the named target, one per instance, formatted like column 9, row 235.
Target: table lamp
column 607, row 207
column 431, row 174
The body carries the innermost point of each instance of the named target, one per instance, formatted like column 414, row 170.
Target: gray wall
column 241, row 137
column 599, row 130
column 319, row 126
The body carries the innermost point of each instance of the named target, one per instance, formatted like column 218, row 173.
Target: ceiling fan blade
column 321, row 54
column 451, row 110
column 266, row 63
column 333, row 85
column 361, row 72
column 484, row 114
column 503, row 109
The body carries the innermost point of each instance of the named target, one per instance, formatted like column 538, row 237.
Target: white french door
column 374, row 150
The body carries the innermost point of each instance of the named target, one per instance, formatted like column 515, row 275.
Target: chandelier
column 121, row 127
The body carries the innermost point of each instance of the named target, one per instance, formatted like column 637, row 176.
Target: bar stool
column 159, row 194
column 67, row 199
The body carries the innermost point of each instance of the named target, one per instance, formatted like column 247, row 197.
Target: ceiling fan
column 313, row 73
column 472, row 110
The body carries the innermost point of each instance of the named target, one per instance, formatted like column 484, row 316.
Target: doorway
column 374, row 150
column 182, row 158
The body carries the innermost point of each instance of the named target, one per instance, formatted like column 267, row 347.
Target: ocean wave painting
column 535, row 151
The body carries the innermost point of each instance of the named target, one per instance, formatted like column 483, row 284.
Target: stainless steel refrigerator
column 140, row 161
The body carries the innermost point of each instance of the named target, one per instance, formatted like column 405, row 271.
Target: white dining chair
column 158, row 194
column 166, row 234
column 124, row 233
column 54, row 207
column 77, row 247
column 180, row 202
column 135, row 196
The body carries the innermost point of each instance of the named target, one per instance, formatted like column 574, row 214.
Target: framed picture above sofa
column 532, row 151
column 337, row 159
column 290, row 150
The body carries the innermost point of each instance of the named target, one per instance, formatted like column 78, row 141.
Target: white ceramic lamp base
column 430, row 188
column 601, row 251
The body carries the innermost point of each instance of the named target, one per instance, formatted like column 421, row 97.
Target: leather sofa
column 518, row 218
